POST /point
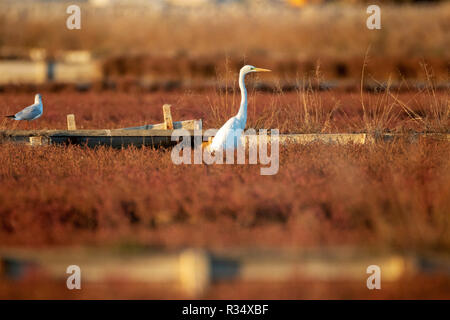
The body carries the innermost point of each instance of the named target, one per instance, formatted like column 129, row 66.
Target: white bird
column 31, row 112
column 229, row 136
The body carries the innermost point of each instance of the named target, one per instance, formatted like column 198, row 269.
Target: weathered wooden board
column 163, row 138
column 168, row 122
column 185, row 124
column 71, row 125
column 356, row 138
column 92, row 138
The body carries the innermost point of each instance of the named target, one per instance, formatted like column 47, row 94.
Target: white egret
column 31, row 112
column 229, row 136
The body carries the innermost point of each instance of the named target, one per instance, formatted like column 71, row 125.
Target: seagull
column 31, row 112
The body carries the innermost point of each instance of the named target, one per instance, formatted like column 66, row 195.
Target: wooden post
column 195, row 272
column 168, row 123
column 198, row 124
column 71, row 125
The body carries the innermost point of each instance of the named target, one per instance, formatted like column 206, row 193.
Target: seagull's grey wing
column 29, row 113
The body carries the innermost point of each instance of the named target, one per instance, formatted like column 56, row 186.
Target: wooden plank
column 88, row 133
column 198, row 125
column 97, row 265
column 296, row 137
column 168, row 123
column 185, row 124
column 195, row 271
column 22, row 71
column 38, row 141
column 357, row 138
column 92, row 138
column 322, row 267
column 156, row 138
column 71, row 125
column 412, row 137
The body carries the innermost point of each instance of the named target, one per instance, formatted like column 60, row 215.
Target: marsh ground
column 393, row 196
column 389, row 194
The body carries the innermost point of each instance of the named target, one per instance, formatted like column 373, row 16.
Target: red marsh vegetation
column 301, row 111
column 393, row 194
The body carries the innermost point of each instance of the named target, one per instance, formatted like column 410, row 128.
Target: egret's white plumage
column 229, row 135
column 31, row 112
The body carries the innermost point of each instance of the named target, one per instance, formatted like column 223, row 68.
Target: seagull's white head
column 37, row 98
column 248, row 69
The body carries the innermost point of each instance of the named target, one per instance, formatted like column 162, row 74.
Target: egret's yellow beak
column 261, row 70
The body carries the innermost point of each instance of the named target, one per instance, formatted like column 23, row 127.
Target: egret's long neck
column 242, row 114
